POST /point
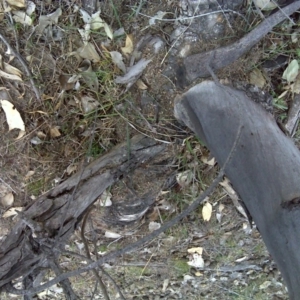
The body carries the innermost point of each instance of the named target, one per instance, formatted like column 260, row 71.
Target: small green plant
column 36, row 187
column 180, row 267
column 96, row 149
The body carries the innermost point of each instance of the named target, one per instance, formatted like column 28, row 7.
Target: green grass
column 37, row 187
column 180, row 267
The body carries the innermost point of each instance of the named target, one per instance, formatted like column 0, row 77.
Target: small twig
column 141, row 115
column 24, row 65
column 226, row 18
column 14, row 29
column 287, row 16
column 197, row 16
column 258, row 10
column 139, row 7
column 66, row 285
column 177, row 39
column 7, row 185
column 87, row 251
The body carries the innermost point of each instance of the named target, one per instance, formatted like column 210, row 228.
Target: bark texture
column 45, row 226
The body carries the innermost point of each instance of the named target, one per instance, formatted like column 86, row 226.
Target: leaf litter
column 102, row 54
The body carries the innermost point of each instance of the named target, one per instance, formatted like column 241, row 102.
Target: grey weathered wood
column 264, row 169
column 56, row 214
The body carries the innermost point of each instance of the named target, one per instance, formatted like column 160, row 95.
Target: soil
column 236, row 262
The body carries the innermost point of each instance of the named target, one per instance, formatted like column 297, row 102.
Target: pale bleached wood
column 264, row 170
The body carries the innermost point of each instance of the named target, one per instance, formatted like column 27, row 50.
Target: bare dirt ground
column 63, row 131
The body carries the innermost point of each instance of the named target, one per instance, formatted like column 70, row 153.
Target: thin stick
column 24, row 65
column 87, row 251
column 7, row 185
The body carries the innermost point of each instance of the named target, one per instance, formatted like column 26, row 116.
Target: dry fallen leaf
column 41, row 135
column 105, row 199
column 118, row 60
column 206, row 211
column 89, row 104
column 196, row 261
column 8, row 200
column 185, row 178
column 54, row 132
column 198, row 250
column 22, row 17
column 153, row 226
column 265, row 4
column 257, row 78
column 141, row 85
column 128, row 45
column 233, row 195
column 88, row 51
column 16, row 3
column 108, row 31
column 29, row 174
column 47, row 20
column 112, row 235
column 292, row 71
column 10, row 76
column 94, row 22
column 12, row 212
column 72, row 168
column 30, row 8
column 13, row 117
column 11, row 70
column 208, row 161
column 265, row 285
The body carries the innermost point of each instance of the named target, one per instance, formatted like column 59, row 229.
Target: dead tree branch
column 27, row 247
column 264, row 171
column 194, row 66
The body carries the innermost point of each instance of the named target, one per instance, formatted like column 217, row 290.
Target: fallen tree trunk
column 264, row 169
column 46, row 225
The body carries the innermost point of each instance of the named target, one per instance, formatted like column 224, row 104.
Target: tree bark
column 264, row 169
column 46, row 225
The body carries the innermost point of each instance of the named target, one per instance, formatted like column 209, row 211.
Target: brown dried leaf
column 54, row 132
column 72, row 168
column 128, row 45
column 13, row 117
column 88, row 51
column 141, row 85
column 257, row 78
column 29, row 174
column 12, row 212
column 89, row 104
column 207, row 211
column 11, row 70
column 208, row 161
column 8, row 200
column 16, row 3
